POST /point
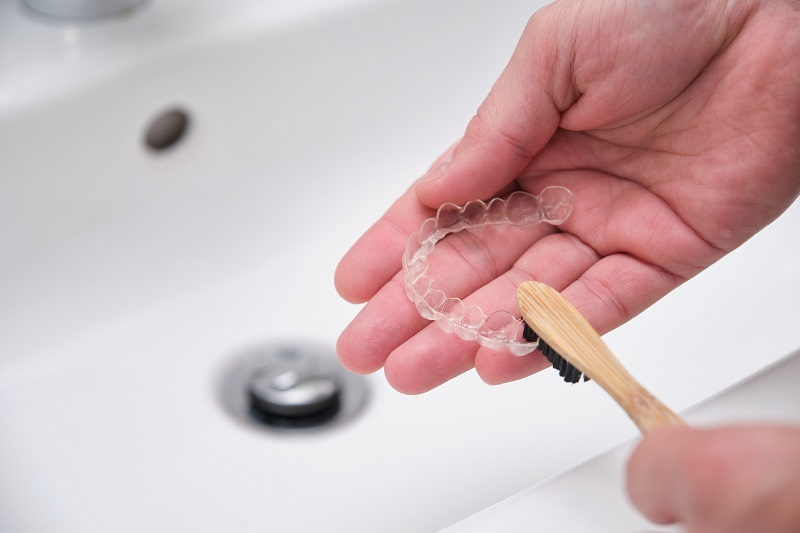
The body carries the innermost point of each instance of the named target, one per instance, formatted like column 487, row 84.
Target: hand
column 675, row 124
column 727, row 480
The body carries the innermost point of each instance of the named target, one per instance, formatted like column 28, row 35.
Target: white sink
column 129, row 279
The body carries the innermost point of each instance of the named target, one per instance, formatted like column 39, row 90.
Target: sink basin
column 131, row 278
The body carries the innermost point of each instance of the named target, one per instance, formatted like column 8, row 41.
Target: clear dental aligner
column 500, row 329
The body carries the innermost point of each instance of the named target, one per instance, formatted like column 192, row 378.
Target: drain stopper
column 291, row 386
column 293, row 393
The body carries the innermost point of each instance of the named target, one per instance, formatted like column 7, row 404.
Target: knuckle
column 613, row 309
column 490, row 128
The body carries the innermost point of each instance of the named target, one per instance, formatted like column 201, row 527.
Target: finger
column 734, row 479
column 388, row 319
column 375, row 257
column 428, row 359
column 515, row 121
column 459, row 265
column 652, row 474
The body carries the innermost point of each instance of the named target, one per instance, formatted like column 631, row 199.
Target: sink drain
column 291, row 387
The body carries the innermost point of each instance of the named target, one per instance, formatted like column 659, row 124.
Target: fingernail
column 437, row 171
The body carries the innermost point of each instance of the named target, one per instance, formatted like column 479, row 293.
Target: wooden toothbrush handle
column 647, row 411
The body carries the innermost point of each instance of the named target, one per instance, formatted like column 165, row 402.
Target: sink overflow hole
column 166, row 129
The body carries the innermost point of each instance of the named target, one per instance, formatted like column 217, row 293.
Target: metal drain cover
column 291, row 386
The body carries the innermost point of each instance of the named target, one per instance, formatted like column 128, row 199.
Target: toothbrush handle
column 646, row 411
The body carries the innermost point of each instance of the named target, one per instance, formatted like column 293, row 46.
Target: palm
column 672, row 162
column 691, row 157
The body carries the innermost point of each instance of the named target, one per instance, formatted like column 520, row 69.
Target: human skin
column 676, row 124
column 738, row 479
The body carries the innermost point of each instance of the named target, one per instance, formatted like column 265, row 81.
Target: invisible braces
column 500, row 329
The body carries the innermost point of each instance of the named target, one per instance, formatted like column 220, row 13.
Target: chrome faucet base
column 82, row 9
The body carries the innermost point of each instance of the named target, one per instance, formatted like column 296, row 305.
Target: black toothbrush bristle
column 565, row 369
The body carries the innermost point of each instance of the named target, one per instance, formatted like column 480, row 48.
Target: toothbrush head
column 565, row 369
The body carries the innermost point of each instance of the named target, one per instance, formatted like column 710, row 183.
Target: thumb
column 517, row 118
column 732, row 479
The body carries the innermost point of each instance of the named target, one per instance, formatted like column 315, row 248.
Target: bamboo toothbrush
column 574, row 347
